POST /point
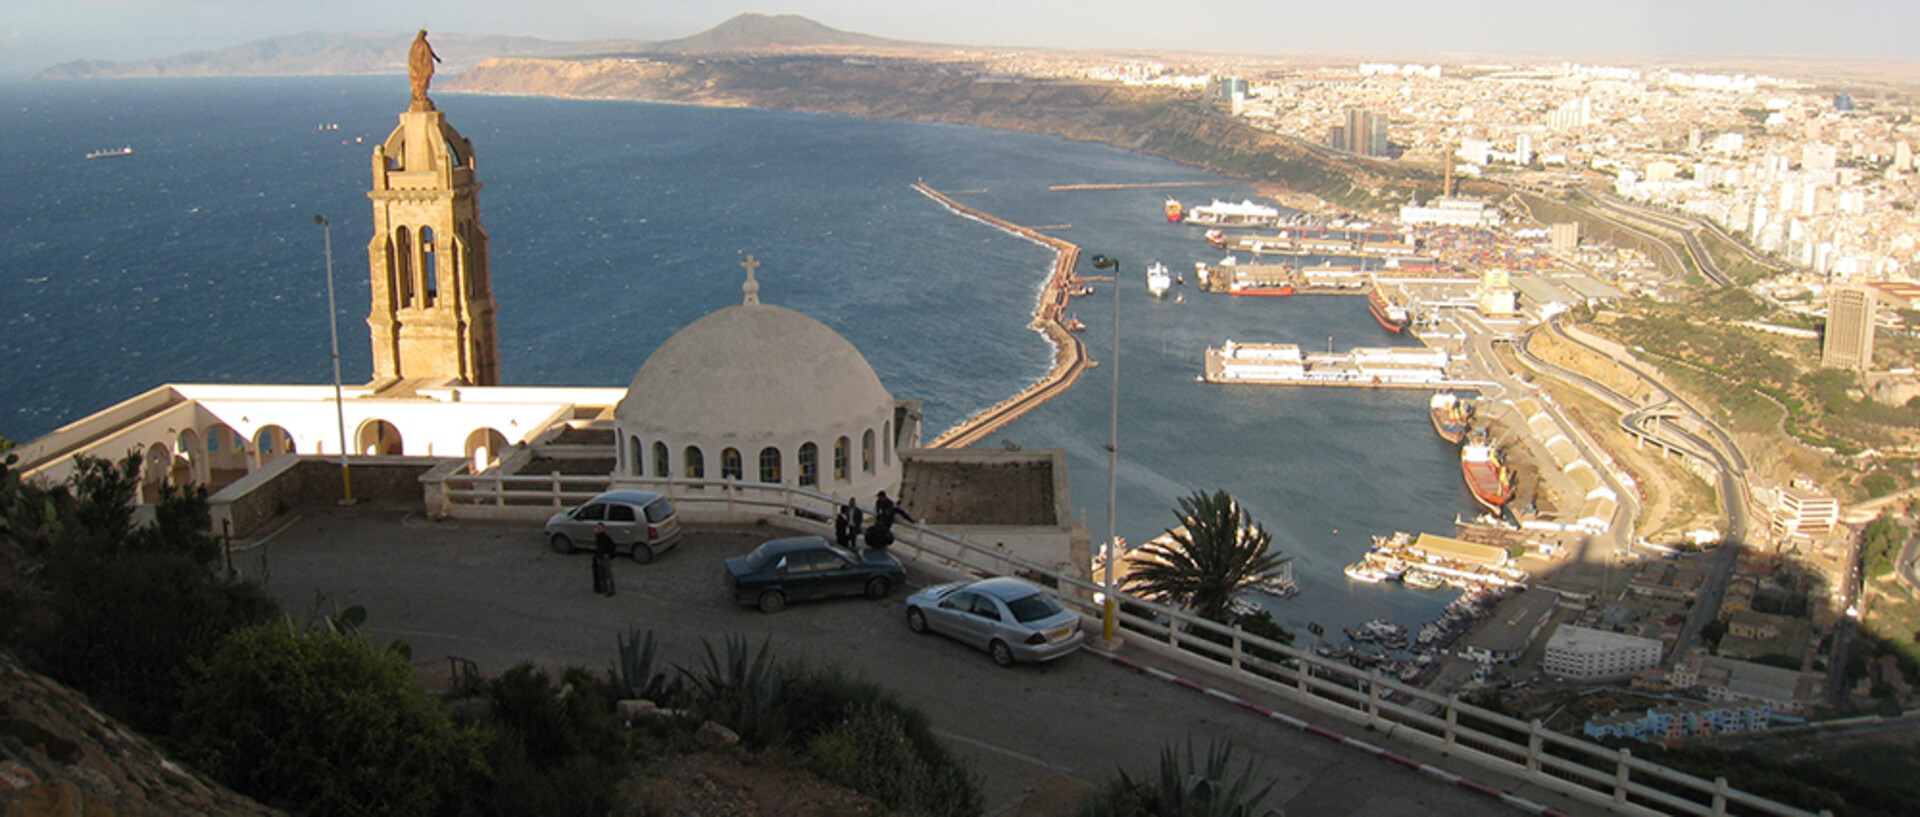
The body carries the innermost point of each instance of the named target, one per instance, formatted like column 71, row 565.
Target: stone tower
column 433, row 311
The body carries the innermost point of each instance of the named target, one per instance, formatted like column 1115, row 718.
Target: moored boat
column 1229, row 214
column 1393, row 316
column 1281, row 289
column 1451, row 416
column 1159, row 278
column 1174, row 211
column 1491, row 482
column 110, row 152
column 1422, row 580
column 1216, row 237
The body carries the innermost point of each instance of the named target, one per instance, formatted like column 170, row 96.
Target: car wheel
column 878, row 586
column 1001, row 655
column 916, row 620
column 773, row 601
column 561, row 544
column 642, row 553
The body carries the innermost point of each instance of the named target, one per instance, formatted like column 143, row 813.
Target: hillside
column 385, row 52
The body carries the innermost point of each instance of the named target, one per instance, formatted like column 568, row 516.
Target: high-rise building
column 1849, row 336
column 433, row 310
column 1365, row 133
column 1565, row 236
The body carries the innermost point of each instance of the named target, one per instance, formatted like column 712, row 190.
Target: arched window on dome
column 636, row 464
column 809, row 465
column 866, row 451
column 661, row 467
column 730, row 464
column 696, row 462
column 769, row 464
column 842, row 452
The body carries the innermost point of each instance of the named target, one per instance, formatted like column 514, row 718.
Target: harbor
column 1284, row 364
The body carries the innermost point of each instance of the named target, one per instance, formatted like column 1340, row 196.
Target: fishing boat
column 1422, row 580
column 1175, row 213
column 1278, row 289
column 1393, row 316
column 1159, row 278
column 1451, row 416
column 111, row 152
column 1216, row 237
column 1490, row 481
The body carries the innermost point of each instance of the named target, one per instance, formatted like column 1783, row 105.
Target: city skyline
column 37, row 36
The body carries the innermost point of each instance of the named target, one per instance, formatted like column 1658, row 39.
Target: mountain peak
column 749, row 30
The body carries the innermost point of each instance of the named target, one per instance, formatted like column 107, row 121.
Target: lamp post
column 1113, row 453
column 333, row 328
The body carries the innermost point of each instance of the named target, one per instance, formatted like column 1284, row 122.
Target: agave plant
column 742, row 691
column 1187, row 788
column 634, row 677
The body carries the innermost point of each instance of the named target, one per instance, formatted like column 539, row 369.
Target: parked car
column 1011, row 619
column 809, row 567
column 642, row 523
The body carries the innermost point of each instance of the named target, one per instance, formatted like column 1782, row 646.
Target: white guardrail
column 1609, row 778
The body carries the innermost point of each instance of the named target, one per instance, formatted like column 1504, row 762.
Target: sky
column 36, row 34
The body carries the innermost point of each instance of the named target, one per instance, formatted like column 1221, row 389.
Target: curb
column 1280, row 717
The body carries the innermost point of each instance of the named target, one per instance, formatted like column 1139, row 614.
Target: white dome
column 751, row 372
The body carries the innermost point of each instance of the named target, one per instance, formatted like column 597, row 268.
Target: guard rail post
column 1453, row 722
column 1620, row 771
column 1533, row 747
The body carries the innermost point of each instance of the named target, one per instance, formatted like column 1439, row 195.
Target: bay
column 615, row 224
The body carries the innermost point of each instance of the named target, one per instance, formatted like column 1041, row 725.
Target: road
column 492, row 593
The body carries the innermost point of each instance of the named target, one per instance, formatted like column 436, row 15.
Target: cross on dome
column 751, row 287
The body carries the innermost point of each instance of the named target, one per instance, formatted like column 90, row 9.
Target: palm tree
column 1216, row 552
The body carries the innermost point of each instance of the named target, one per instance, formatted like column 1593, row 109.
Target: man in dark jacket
column 846, row 526
column 881, row 534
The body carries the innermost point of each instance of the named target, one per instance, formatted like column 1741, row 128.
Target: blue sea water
column 615, row 224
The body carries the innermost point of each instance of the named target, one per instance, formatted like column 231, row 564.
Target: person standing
column 846, row 526
column 602, row 560
column 884, row 511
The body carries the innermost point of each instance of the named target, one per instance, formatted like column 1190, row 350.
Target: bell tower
column 433, row 311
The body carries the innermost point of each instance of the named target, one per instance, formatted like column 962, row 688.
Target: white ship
column 1158, row 279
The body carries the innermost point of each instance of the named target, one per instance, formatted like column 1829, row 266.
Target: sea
column 613, row 224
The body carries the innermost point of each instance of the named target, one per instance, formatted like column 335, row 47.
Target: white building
column 1584, row 654
column 1451, row 212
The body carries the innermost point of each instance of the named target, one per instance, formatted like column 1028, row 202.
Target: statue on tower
column 420, row 62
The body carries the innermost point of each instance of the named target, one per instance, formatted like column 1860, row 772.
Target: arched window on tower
column 636, row 462
column 696, row 463
column 429, row 269
column 842, row 452
column 730, row 464
column 660, row 465
column 809, row 464
column 886, row 442
column 403, row 264
column 769, row 464
column 866, row 451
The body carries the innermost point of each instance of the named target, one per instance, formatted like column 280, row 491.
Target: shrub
column 1184, row 788
column 874, row 737
column 553, row 749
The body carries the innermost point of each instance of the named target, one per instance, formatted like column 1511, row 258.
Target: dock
column 1049, row 317
column 1284, row 364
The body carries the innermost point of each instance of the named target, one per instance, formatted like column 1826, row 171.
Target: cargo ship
column 111, row 152
column 1451, row 416
column 1491, row 482
column 1227, row 214
column 1175, row 213
column 1394, row 317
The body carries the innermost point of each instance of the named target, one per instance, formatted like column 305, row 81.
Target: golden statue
column 420, row 62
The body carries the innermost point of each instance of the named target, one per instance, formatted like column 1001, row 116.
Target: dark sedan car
column 809, row 567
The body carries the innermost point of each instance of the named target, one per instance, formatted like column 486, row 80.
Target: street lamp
column 1113, row 451
column 333, row 328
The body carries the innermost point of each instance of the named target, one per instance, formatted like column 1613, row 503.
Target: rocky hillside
column 1152, row 120
column 58, row 756
column 374, row 52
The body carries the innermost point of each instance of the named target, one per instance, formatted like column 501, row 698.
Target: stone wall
column 292, row 481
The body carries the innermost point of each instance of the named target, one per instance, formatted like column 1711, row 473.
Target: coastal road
column 494, row 594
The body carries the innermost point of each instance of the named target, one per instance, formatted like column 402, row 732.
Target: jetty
column 1049, row 318
column 1136, row 186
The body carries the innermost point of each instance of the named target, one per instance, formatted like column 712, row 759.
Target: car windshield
column 1034, row 607
column 658, row 510
column 843, row 553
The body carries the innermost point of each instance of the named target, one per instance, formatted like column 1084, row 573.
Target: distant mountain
column 363, row 52
column 385, row 52
column 750, row 32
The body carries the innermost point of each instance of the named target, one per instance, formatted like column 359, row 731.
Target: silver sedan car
column 1009, row 618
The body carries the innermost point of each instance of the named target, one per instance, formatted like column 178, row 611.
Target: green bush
column 874, row 737
column 553, row 749
column 1184, row 787
column 323, row 724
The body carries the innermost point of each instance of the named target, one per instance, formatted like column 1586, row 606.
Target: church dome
column 753, row 371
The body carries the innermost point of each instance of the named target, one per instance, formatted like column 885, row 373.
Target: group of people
column 847, row 530
column 847, row 526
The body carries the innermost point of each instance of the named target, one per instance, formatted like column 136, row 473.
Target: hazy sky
column 35, row 34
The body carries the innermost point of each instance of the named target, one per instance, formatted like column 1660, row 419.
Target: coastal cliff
column 1157, row 121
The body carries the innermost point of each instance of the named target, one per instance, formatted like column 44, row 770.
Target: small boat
column 1158, row 279
column 1216, row 237
column 1365, row 573
column 111, row 152
column 1175, row 213
column 1422, row 580
column 1074, row 325
column 1271, row 290
column 1079, row 290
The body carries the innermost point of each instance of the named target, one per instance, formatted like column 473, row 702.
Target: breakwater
column 1069, row 355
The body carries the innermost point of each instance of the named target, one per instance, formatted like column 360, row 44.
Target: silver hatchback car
column 642, row 523
column 1009, row 618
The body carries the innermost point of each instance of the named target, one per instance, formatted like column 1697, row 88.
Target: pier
column 1141, row 186
column 1070, row 353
